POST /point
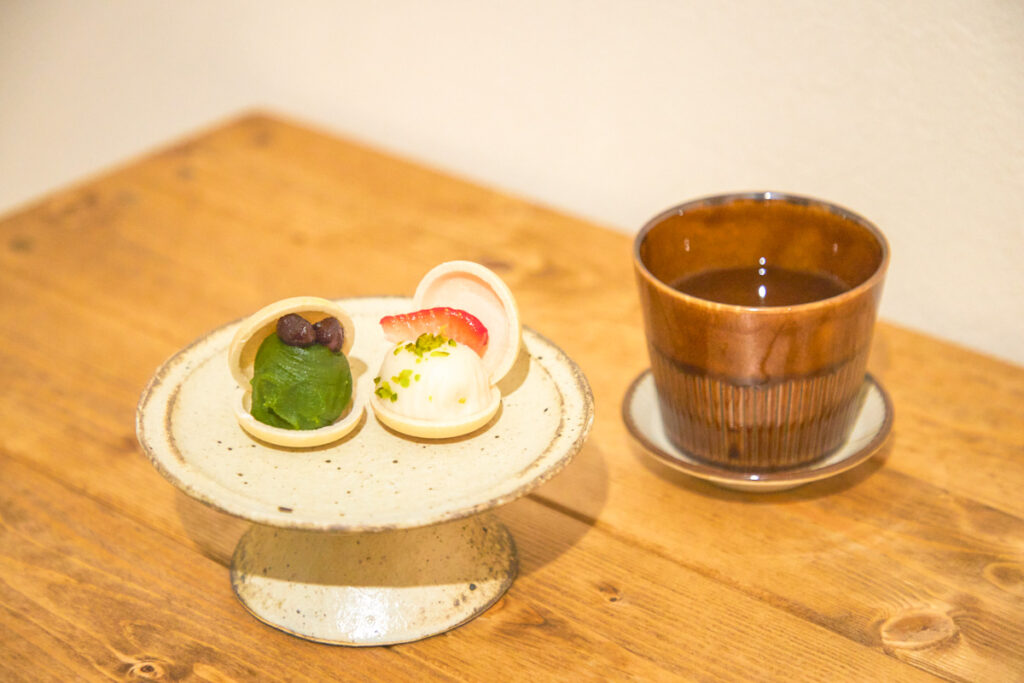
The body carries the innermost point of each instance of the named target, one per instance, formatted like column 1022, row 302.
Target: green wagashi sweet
column 296, row 387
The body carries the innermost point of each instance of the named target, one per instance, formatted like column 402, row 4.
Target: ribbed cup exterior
column 758, row 428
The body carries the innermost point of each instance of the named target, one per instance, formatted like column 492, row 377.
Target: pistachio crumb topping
column 427, row 343
column 384, row 391
column 426, row 346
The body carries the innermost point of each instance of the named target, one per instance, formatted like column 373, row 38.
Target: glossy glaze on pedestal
column 374, row 589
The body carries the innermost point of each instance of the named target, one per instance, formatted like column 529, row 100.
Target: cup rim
column 763, row 196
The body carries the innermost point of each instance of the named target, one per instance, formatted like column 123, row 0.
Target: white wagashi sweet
column 440, row 379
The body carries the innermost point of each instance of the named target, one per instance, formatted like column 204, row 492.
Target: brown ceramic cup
column 759, row 387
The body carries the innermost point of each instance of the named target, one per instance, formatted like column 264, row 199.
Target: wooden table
column 910, row 567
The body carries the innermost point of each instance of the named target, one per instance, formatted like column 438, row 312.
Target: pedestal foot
column 373, row 588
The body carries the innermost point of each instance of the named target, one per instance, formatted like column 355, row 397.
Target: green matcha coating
column 299, row 387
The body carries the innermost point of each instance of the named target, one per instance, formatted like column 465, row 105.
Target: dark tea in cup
column 759, row 310
column 760, row 285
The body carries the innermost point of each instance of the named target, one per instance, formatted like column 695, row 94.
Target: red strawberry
column 454, row 323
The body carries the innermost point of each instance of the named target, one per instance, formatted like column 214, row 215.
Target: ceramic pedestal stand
column 377, row 538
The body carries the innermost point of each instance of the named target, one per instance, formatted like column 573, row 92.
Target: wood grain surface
column 910, row 567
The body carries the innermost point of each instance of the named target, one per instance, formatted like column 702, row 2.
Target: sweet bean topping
column 294, row 330
column 330, row 333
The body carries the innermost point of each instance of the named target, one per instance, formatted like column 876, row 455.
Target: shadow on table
column 553, row 518
column 215, row 534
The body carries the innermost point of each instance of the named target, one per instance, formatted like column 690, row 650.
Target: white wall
column 909, row 112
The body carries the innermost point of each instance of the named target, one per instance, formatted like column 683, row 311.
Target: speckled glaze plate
column 374, row 479
column 378, row 538
column 642, row 415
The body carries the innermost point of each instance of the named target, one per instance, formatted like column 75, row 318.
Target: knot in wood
column 149, row 671
column 1007, row 576
column 917, row 630
column 610, row 591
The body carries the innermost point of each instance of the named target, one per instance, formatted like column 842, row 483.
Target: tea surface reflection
column 760, row 286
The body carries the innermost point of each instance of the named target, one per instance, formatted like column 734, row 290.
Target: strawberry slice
column 454, row 323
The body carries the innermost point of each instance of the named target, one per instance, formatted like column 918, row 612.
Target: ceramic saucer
column 642, row 416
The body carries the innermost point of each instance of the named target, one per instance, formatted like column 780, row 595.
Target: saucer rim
column 770, row 480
